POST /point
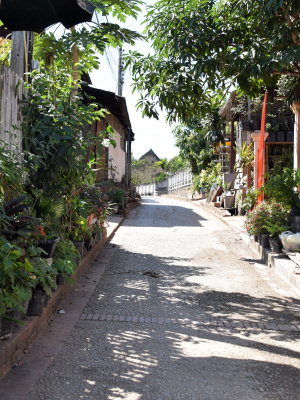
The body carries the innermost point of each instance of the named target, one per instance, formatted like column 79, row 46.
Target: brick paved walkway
column 205, row 321
column 175, row 308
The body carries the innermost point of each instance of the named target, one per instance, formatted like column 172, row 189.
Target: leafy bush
column 267, row 217
column 11, row 175
column 117, row 195
column 44, row 273
column 54, row 119
column 278, row 220
column 256, row 219
column 250, row 200
column 211, row 175
column 280, row 186
column 17, row 276
column 245, row 155
column 64, row 260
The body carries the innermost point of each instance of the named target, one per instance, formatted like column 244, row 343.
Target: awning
column 37, row 15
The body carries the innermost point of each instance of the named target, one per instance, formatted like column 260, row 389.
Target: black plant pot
column 80, row 248
column 37, row 302
column 97, row 236
column 7, row 323
column 88, row 244
column 60, row 280
column 19, row 315
column 264, row 240
column 295, row 211
column 275, row 244
column 49, row 247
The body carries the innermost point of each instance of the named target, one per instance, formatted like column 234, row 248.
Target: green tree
column 176, row 164
column 204, row 47
column 193, row 147
column 56, row 113
column 163, row 164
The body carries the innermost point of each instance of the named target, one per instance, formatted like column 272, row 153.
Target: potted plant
column 280, row 186
column 228, row 196
column 45, row 281
column 245, row 155
column 97, row 231
column 255, row 223
column 48, row 246
column 64, row 260
column 118, row 198
column 79, row 232
column 16, row 282
column 47, row 242
column 276, row 223
column 274, row 230
column 250, row 199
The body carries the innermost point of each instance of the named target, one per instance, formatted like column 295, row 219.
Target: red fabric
column 261, row 150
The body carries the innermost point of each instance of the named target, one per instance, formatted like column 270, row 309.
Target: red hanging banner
column 261, row 150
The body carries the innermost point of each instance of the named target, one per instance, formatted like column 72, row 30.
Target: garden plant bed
column 13, row 349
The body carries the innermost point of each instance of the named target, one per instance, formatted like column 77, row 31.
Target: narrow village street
column 180, row 310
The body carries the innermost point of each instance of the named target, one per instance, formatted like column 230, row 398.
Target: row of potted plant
column 36, row 255
column 42, row 238
column 50, row 207
column 267, row 220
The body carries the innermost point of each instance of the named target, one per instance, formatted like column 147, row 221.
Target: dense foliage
column 206, row 47
column 268, row 217
column 48, row 195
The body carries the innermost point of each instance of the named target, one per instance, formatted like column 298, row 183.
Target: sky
column 149, row 132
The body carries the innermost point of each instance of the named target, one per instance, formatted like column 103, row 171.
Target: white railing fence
column 180, row 180
column 147, row 190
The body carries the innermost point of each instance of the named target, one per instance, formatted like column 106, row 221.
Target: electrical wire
column 110, row 66
column 112, row 57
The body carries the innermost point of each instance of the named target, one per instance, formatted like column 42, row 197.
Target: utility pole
column 120, row 72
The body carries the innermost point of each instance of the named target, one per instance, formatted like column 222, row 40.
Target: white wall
column 116, row 159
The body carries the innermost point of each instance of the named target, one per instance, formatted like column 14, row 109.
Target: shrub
column 64, row 260
column 267, row 217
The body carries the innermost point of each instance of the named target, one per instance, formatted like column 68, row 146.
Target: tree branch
column 286, row 72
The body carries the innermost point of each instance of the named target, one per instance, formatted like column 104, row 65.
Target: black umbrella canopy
column 37, row 15
column 73, row 12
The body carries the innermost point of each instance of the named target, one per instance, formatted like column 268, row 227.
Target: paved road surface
column 181, row 312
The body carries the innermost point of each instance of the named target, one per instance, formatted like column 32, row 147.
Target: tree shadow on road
column 181, row 288
column 144, row 362
column 168, row 361
column 157, row 215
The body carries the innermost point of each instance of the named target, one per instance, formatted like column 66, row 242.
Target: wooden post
column 17, row 58
column 256, row 137
column 12, row 90
column 249, row 180
column 232, row 148
column 296, row 110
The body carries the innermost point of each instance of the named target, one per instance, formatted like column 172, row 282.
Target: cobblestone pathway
column 181, row 312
